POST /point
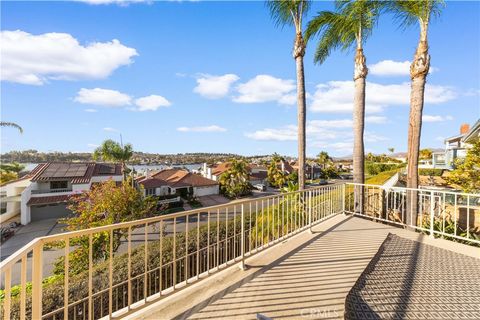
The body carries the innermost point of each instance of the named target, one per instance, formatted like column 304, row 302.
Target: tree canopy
column 467, row 172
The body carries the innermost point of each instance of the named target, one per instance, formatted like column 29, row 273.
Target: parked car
column 323, row 182
column 260, row 187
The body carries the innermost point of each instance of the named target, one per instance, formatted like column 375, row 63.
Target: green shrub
column 374, row 168
column 53, row 287
column 430, row 172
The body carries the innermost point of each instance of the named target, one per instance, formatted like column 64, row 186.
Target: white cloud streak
column 151, row 103
column 265, row 88
column 103, row 97
column 212, row 128
column 215, row 87
column 390, row 68
column 337, row 96
column 36, row 59
column 435, row 118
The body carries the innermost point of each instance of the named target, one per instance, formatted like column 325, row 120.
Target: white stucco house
column 44, row 192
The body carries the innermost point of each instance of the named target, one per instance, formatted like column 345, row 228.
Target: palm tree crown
column 112, row 151
column 351, row 24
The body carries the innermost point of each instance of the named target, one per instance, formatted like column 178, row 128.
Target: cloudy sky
column 217, row 77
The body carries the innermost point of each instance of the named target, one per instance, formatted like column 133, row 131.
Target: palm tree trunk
column 418, row 72
column 360, row 75
column 298, row 53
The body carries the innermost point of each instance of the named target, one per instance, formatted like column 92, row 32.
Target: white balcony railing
column 52, row 191
column 129, row 264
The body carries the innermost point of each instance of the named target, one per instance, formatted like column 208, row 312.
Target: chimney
column 209, row 173
column 148, row 174
column 464, row 128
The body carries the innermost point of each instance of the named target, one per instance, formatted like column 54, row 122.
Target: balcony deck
column 307, row 276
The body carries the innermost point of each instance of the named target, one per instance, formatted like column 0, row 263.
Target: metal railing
column 439, row 213
column 52, row 191
column 109, row 270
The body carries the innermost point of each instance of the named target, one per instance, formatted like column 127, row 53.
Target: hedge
column 53, row 287
column 430, row 172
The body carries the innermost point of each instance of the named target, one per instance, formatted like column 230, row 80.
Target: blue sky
column 176, row 77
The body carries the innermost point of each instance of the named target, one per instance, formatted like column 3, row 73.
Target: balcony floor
column 308, row 276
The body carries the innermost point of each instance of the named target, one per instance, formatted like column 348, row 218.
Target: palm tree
column 391, row 150
column 292, row 12
column 234, row 182
column 112, row 151
column 408, row 13
column 11, row 124
column 323, row 159
column 350, row 25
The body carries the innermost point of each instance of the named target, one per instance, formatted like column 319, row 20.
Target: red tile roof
column 75, row 172
column 152, row 182
column 261, row 175
column 47, row 200
column 176, row 178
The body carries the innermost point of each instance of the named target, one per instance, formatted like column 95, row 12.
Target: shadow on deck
column 306, row 277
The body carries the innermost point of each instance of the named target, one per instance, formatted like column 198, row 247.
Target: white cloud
column 376, row 119
column 91, row 110
column 212, row 128
column 317, row 130
column 387, row 68
column 373, row 137
column 151, row 103
column 435, row 118
column 103, row 97
column 337, row 96
column 36, row 59
column 92, row 145
column 215, row 87
column 265, row 88
column 287, row 133
column 109, row 129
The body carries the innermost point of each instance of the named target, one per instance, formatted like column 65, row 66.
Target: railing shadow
column 262, row 269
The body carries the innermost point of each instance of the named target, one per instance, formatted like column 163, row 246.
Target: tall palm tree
column 409, row 13
column 349, row 26
column 292, row 13
column 323, row 159
column 11, row 124
column 112, row 151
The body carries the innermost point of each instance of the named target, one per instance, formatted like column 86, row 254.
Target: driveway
column 213, row 200
column 25, row 234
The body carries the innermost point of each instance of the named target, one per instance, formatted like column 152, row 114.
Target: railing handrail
column 37, row 191
column 77, row 233
column 414, row 189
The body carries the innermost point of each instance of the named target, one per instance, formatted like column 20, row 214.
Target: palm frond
column 352, row 22
column 407, row 13
column 288, row 12
column 12, row 125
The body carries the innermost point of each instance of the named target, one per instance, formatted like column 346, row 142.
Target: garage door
column 206, row 191
column 49, row 211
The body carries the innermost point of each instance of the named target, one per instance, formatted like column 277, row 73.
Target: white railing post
column 242, row 250
column 310, row 211
column 343, row 197
column 37, row 265
column 432, row 213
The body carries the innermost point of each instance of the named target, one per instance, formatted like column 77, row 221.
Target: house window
column 150, row 191
column 58, row 184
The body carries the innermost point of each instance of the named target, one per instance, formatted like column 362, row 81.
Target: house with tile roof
column 44, row 192
column 178, row 181
column 257, row 173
